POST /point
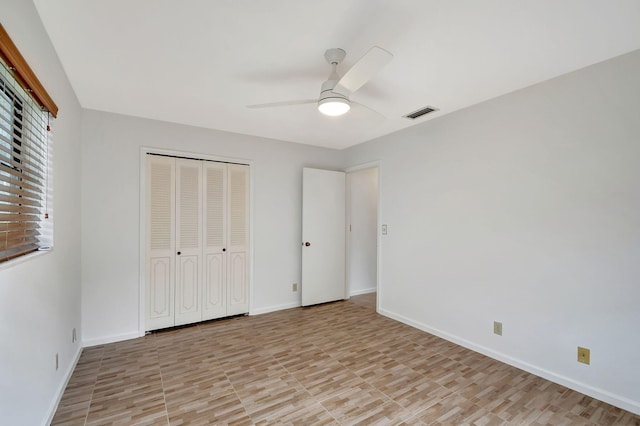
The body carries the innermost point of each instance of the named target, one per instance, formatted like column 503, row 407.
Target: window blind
column 23, row 169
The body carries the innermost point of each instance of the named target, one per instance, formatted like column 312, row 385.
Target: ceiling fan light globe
column 334, row 106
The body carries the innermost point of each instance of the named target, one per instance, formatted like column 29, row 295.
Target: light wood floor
column 337, row 363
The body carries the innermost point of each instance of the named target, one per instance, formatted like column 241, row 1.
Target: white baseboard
column 60, row 391
column 602, row 395
column 362, row 291
column 110, row 339
column 266, row 310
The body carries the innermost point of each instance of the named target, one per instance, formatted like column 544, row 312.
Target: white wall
column 524, row 209
column 40, row 296
column 110, row 213
column 363, row 217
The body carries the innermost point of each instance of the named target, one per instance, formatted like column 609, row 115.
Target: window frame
column 23, row 73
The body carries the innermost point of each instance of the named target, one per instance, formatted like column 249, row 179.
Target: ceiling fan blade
column 369, row 108
column 363, row 70
column 284, row 103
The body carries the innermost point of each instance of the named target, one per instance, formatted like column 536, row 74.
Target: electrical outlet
column 74, row 337
column 294, row 287
column 57, row 363
column 584, row 355
column 497, row 328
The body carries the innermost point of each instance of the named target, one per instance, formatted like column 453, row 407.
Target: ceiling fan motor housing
column 326, row 90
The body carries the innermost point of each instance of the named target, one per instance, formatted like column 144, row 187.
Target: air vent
column 419, row 113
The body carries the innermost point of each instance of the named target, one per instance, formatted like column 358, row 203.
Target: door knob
column 307, row 244
column 224, row 249
column 179, row 253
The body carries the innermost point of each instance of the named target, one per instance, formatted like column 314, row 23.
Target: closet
column 197, row 248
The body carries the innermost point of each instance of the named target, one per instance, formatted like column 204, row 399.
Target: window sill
column 26, row 258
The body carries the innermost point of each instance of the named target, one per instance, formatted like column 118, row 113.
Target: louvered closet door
column 215, row 225
column 188, row 241
column 238, row 240
column 161, row 252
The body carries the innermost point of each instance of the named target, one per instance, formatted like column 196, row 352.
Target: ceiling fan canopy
column 335, row 91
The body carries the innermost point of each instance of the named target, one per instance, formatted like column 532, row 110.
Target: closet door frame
column 144, row 151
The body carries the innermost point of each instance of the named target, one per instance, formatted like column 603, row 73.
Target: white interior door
column 160, row 267
column 238, row 240
column 214, row 304
column 188, row 241
column 323, row 236
column 197, row 231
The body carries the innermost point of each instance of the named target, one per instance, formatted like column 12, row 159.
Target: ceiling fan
column 334, row 93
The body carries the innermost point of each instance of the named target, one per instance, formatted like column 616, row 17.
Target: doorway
column 345, row 207
column 362, row 240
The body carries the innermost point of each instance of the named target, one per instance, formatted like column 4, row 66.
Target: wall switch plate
column 384, row 229
column 294, row 287
column 584, row 355
column 497, row 328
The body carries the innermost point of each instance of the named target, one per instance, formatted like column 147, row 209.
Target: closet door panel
column 160, row 292
column 187, row 290
column 188, row 241
column 215, row 235
column 214, row 302
column 160, row 264
column 238, row 300
column 238, row 240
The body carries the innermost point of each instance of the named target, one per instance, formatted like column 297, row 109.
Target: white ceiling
column 200, row 62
